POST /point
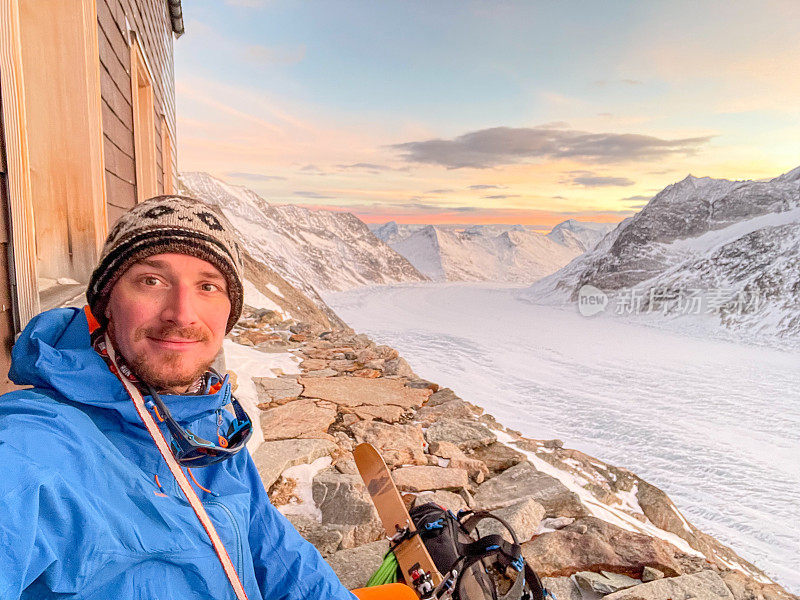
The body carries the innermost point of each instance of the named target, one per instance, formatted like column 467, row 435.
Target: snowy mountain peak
column 503, row 253
column 702, row 234
column 793, row 175
column 312, row 249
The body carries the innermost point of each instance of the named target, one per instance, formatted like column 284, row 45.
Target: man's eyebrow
column 162, row 264
column 212, row 275
column 149, row 262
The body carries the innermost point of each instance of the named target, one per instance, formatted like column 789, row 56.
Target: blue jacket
column 81, row 513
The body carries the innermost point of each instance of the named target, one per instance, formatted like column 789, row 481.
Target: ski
column 415, row 562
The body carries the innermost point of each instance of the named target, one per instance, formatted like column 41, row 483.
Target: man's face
column 167, row 317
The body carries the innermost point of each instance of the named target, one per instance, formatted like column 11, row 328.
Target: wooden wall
column 6, row 316
column 149, row 19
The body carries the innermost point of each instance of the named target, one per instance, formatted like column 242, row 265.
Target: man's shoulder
column 40, row 410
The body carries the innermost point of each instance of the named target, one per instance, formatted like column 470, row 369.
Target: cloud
column 314, row 195
column 312, row 169
column 501, row 196
column 486, row 186
column 637, row 199
column 365, row 166
column 255, row 176
column 439, row 191
column 508, row 145
column 591, row 179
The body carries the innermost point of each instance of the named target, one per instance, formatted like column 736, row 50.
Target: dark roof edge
column 176, row 16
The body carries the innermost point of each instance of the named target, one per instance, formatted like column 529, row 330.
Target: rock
column 321, row 373
column 343, row 366
column 375, row 364
column 523, row 517
column 591, row 544
column 273, row 458
column 442, row 396
column 705, row 585
column 346, row 465
column 349, row 419
column 342, row 499
column 298, row 337
column 300, row 328
column 386, row 353
column 523, row 480
column 299, row 419
column 458, row 460
column 557, row 523
column 255, row 337
column 346, row 506
column 388, row 413
column 744, row 587
column 354, row 567
column 553, row 444
column 657, row 507
column 651, row 574
column 324, row 539
column 277, row 389
column 422, row 384
column 454, row 409
column 366, row 355
column 397, row 366
column 355, row 391
column 562, row 588
column 419, row 479
column 449, row 500
column 367, row 373
column 397, row 444
column 313, row 364
column 265, row 316
column 464, row 433
column 344, row 440
column 603, row 583
column 498, row 457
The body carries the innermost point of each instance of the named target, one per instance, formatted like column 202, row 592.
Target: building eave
column 176, row 16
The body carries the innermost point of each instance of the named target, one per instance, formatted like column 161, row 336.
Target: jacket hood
column 54, row 352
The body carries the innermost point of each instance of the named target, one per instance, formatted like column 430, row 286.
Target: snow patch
column 274, row 289
column 304, row 505
column 253, row 297
column 247, row 363
column 594, row 506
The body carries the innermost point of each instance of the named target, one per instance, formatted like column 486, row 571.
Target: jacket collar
column 54, row 352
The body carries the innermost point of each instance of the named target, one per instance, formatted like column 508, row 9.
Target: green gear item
column 387, row 572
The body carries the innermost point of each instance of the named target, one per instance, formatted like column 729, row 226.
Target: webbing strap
column 180, row 477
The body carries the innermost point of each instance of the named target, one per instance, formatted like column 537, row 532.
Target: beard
column 167, row 370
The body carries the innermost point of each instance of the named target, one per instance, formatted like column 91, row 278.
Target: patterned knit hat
column 168, row 224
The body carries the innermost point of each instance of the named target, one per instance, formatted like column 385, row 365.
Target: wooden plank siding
column 6, row 314
column 149, row 19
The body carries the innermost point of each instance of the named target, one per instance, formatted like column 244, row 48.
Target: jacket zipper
column 239, row 549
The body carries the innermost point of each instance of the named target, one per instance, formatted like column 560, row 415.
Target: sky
column 485, row 112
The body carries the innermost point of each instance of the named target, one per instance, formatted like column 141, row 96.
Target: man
column 97, row 455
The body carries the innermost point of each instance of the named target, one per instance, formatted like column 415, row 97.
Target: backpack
column 474, row 567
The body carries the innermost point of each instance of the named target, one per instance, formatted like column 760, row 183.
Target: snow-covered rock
column 507, row 253
column 738, row 241
column 313, row 250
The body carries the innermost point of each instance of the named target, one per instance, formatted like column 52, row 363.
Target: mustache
column 190, row 334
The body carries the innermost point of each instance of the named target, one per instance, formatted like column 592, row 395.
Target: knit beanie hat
column 168, row 224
